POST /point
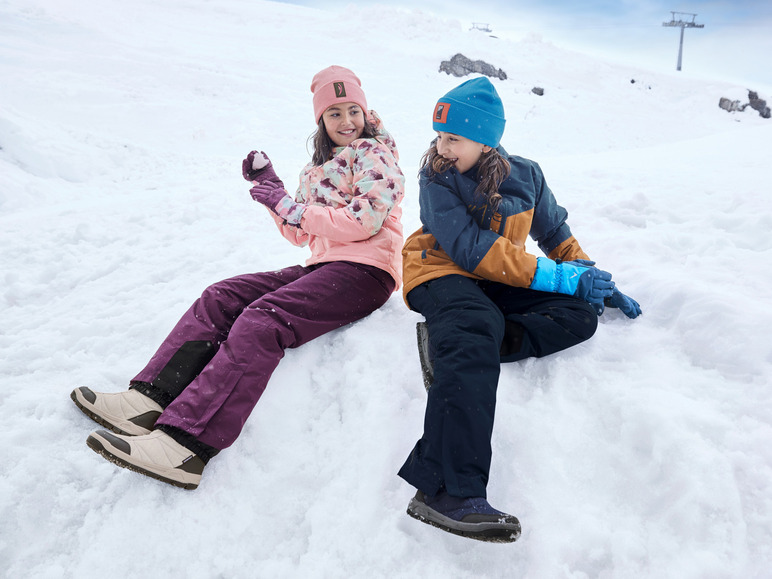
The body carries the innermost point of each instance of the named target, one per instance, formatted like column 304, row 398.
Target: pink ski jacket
column 353, row 211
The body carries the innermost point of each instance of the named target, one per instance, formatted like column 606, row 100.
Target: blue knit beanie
column 473, row 110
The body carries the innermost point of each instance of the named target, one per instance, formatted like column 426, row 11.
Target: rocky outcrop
column 731, row 106
column 460, row 65
column 757, row 104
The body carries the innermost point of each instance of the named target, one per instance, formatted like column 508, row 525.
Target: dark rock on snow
column 460, row 65
column 757, row 104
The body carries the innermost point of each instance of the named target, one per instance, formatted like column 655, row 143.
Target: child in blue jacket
column 486, row 301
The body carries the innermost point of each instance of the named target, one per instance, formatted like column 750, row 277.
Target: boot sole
column 96, row 445
column 493, row 532
column 102, row 421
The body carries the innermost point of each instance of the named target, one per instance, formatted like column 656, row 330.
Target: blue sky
column 735, row 44
column 720, row 12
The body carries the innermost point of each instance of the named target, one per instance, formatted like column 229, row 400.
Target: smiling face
column 462, row 152
column 344, row 122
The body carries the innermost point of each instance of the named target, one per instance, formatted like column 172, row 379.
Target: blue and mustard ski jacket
column 462, row 235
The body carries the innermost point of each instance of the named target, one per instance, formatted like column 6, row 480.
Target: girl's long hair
column 492, row 169
column 323, row 145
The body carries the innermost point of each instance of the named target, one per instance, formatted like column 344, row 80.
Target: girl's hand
column 628, row 305
column 576, row 278
column 258, row 167
column 277, row 200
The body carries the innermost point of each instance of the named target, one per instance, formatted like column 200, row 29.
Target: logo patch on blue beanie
column 441, row 112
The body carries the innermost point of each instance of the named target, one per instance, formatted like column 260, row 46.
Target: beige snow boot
column 156, row 455
column 129, row 412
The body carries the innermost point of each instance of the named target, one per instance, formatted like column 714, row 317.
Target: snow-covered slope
column 645, row 452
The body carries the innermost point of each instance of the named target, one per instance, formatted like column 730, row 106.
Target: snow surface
column 645, row 452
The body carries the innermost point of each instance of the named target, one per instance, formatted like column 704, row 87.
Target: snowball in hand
column 259, row 161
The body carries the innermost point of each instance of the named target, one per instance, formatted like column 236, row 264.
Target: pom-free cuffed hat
column 336, row 84
column 473, row 110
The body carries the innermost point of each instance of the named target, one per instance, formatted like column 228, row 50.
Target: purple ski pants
column 216, row 362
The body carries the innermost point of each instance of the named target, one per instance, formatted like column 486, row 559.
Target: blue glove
column 628, row 305
column 575, row 278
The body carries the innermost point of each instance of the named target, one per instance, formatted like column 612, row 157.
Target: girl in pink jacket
column 195, row 394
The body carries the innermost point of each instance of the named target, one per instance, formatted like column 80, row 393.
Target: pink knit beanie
column 336, row 84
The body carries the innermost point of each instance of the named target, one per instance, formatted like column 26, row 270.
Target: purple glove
column 258, row 167
column 277, row 200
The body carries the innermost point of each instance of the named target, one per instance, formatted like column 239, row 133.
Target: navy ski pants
column 474, row 325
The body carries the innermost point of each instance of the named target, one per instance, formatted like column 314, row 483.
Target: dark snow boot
column 422, row 335
column 469, row 517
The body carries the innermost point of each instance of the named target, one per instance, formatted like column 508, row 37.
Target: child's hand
column 277, row 200
column 258, row 167
column 594, row 285
column 248, row 169
column 627, row 304
column 578, row 278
